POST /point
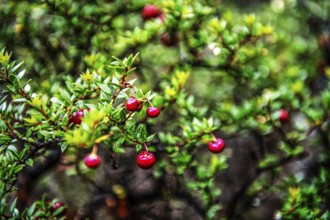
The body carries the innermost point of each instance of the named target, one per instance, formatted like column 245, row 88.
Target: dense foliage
column 170, row 109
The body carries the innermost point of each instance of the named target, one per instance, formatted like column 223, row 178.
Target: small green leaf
column 118, row 143
column 119, row 150
column 58, row 211
column 104, row 88
column 31, row 210
column 29, row 162
column 149, row 138
column 138, row 147
column 13, row 205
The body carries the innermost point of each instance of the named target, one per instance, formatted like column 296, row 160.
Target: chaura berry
column 283, row 115
column 150, row 11
column 169, row 40
column 145, row 160
column 76, row 117
column 92, row 161
column 132, row 104
column 217, row 146
column 139, row 106
column 153, row 112
column 57, row 205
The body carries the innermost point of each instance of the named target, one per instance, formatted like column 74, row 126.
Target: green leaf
column 315, row 8
column 138, row 147
column 13, row 206
column 29, row 162
column 129, row 61
column 105, row 88
column 39, row 213
column 123, row 94
column 58, row 211
column 149, row 138
column 130, row 71
column 21, row 74
column 4, row 138
column 141, row 133
column 31, row 210
column 119, row 150
column 115, row 82
column 118, row 62
column 118, row 143
column 213, row 210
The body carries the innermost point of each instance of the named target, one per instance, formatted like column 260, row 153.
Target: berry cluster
column 152, row 12
column 144, row 160
column 132, row 104
column 77, row 116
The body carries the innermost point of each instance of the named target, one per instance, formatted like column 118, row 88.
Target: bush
column 174, row 109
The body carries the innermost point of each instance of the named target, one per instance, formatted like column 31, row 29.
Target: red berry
column 145, row 160
column 92, row 161
column 217, row 146
column 150, row 12
column 153, row 112
column 139, row 106
column 169, row 40
column 161, row 18
column 57, row 205
column 76, row 117
column 132, row 104
column 283, row 115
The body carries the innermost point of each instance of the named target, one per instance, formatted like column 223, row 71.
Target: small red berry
column 139, row 106
column 92, row 161
column 57, row 205
column 76, row 117
column 145, row 160
column 153, row 112
column 283, row 115
column 150, row 11
column 217, row 146
column 132, row 104
column 169, row 40
column 161, row 18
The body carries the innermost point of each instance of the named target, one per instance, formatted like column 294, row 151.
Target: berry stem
column 214, row 138
column 150, row 103
column 146, row 147
column 94, row 150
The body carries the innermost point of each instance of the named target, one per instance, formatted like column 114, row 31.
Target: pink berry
column 283, row 115
column 57, row 205
column 216, row 146
column 150, row 11
column 92, row 161
column 132, row 104
column 145, row 160
column 76, row 117
column 153, row 112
